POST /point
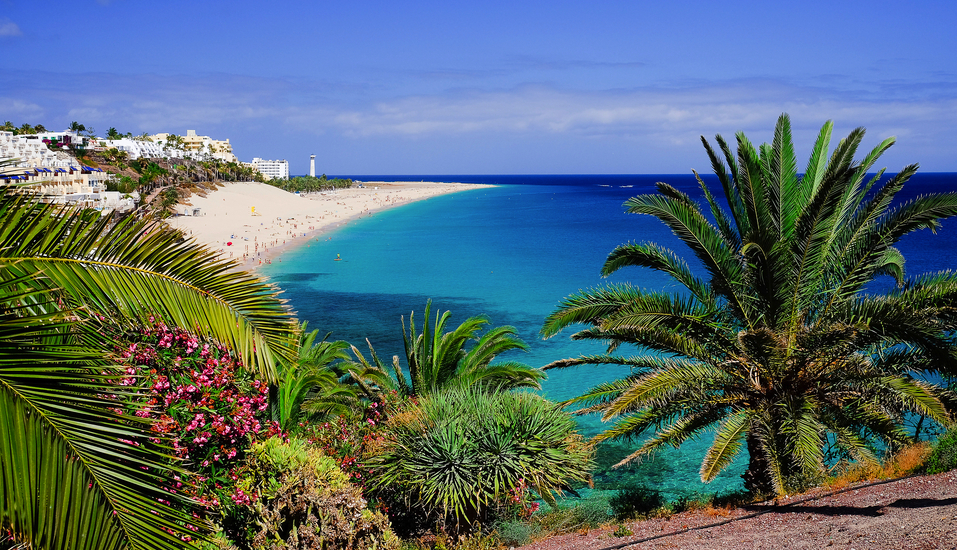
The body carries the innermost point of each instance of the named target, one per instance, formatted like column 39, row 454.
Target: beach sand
column 254, row 222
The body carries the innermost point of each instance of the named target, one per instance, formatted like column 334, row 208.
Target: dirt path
column 913, row 513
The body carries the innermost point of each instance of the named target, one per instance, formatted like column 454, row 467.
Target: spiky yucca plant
column 461, row 451
column 776, row 344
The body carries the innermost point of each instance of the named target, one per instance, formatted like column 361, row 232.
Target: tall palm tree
column 776, row 345
column 68, row 476
column 438, row 360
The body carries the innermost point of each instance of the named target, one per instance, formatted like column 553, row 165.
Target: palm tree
column 778, row 346
column 308, row 387
column 438, row 360
column 68, row 476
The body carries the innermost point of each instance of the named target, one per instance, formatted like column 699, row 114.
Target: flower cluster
column 520, row 500
column 200, row 398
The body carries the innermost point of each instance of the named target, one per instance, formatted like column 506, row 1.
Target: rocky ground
column 911, row 513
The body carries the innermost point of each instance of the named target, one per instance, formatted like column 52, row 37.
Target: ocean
column 512, row 253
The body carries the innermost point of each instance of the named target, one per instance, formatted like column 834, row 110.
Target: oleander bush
column 201, row 399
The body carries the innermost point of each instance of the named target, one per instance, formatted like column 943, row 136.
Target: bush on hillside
column 943, row 457
column 635, row 502
column 293, row 497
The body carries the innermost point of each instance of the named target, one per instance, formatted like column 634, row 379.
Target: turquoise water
column 512, row 253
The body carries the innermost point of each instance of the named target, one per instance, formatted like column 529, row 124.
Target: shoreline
column 228, row 216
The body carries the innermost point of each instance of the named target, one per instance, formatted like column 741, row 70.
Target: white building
column 76, row 184
column 272, row 168
column 32, row 150
column 137, row 148
column 196, row 147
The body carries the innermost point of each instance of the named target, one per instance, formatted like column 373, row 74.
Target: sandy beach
column 253, row 222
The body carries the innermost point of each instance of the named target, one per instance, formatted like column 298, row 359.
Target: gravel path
column 911, row 513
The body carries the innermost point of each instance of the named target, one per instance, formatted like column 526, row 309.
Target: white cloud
column 660, row 121
column 22, row 111
column 9, row 28
column 675, row 115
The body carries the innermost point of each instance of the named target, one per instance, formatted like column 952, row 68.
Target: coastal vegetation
column 786, row 344
column 437, row 360
column 311, row 184
column 463, row 456
column 152, row 396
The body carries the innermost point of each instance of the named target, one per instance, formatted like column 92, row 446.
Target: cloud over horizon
column 252, row 110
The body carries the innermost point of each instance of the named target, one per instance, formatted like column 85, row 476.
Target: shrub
column 291, row 496
column 943, row 457
column 622, row 530
column 463, row 453
column 350, row 438
column 514, row 532
column 590, row 513
column 200, row 398
column 585, row 514
column 635, row 502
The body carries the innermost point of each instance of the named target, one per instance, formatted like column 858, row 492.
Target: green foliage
column 353, row 437
column 123, row 184
column 308, row 387
column 310, row 184
column 291, row 496
column 439, row 360
column 70, row 477
column 23, row 129
column 622, row 530
column 635, row 502
column 584, row 514
column 774, row 346
column 516, row 532
column 943, row 457
column 462, row 452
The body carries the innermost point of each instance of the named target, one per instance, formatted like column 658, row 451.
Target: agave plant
column 72, row 474
column 438, row 360
column 775, row 344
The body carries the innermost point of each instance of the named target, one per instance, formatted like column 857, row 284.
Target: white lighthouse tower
column 312, row 165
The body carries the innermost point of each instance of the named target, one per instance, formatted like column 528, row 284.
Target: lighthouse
column 312, row 165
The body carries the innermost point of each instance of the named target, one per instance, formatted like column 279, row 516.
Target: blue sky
column 386, row 87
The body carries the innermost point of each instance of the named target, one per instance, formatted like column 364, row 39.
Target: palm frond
column 137, row 269
column 73, row 473
column 726, row 445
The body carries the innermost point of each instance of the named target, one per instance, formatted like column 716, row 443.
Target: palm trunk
column 757, row 479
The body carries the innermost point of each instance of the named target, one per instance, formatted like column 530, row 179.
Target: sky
column 515, row 87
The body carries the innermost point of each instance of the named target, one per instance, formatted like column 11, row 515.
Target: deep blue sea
column 512, row 253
